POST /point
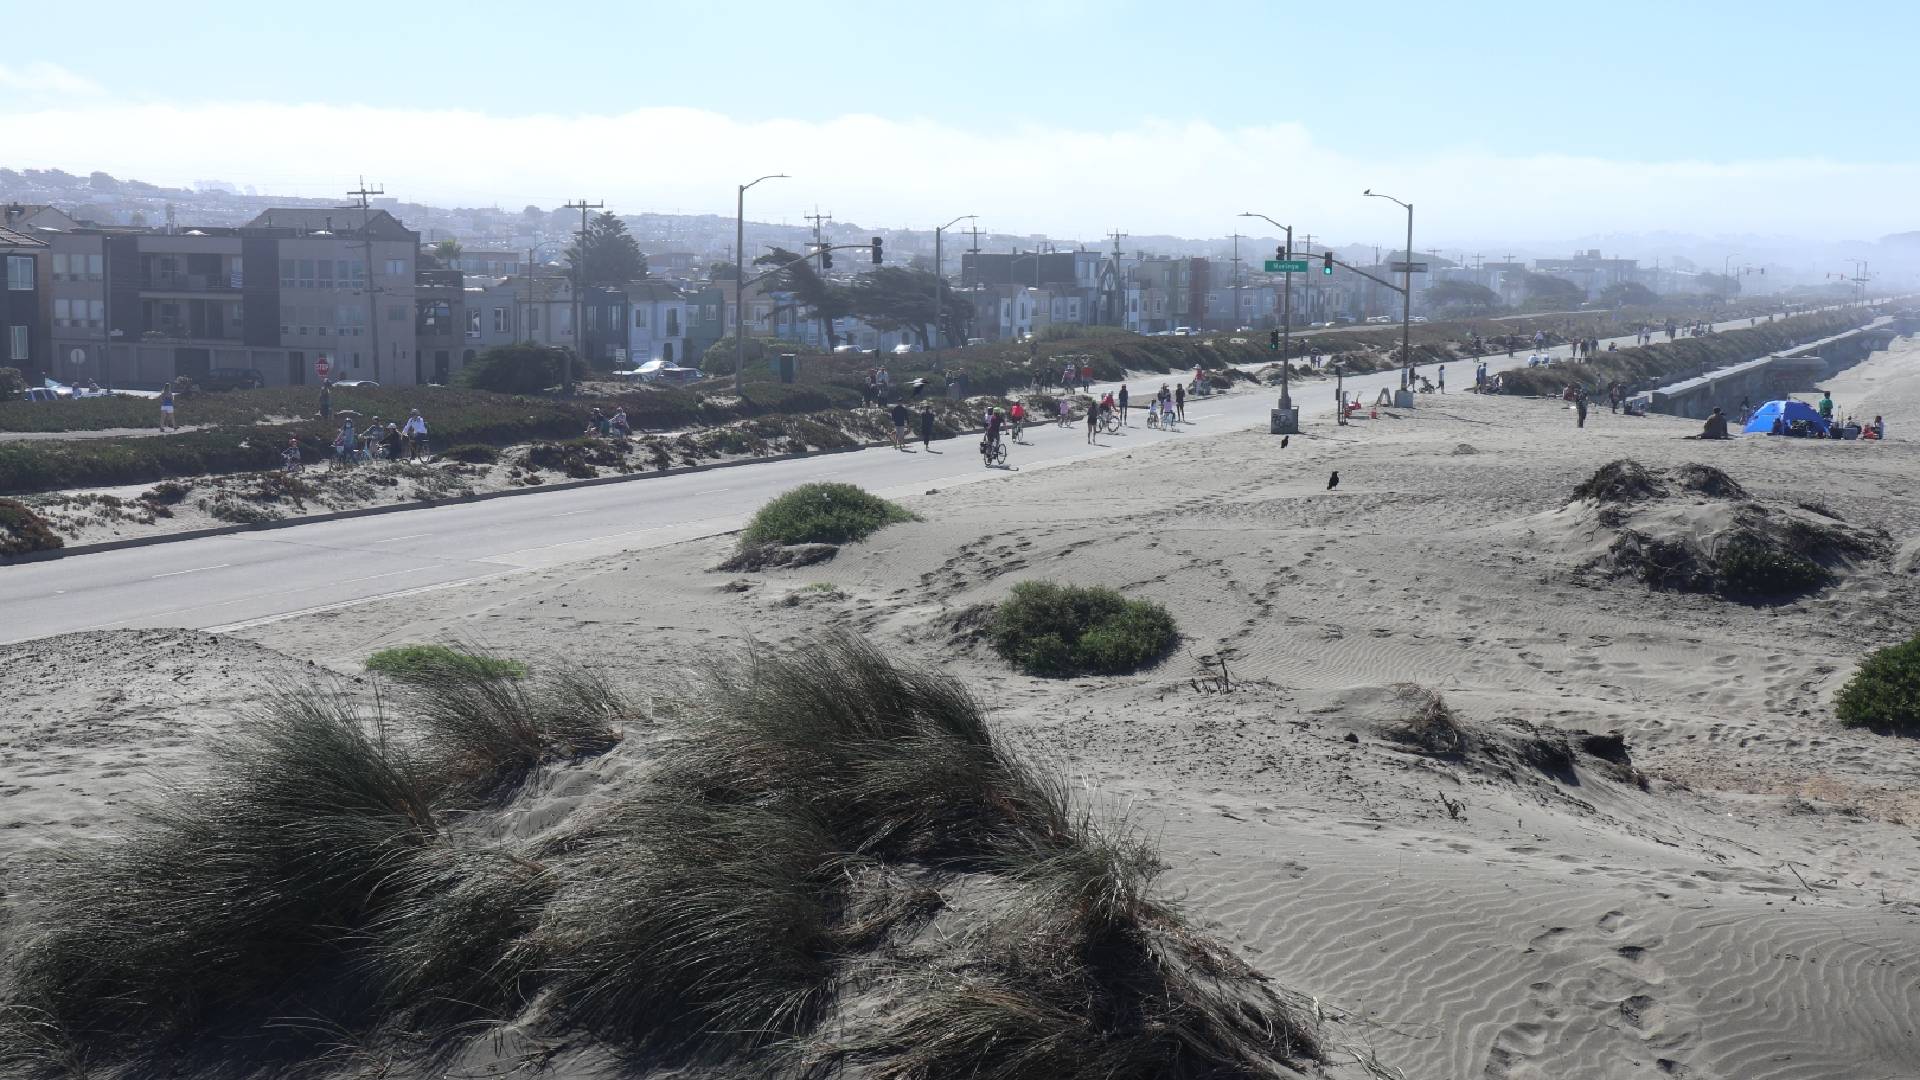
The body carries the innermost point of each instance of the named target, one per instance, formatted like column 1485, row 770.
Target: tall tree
column 1628, row 294
column 894, row 298
column 607, row 255
column 446, row 251
column 1462, row 296
column 1545, row 288
column 823, row 298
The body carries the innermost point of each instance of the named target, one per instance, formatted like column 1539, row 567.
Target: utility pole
column 1236, row 281
column 818, row 218
column 579, row 297
column 1119, row 293
column 938, row 269
column 373, row 287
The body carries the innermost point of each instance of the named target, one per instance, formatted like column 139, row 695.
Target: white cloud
column 42, row 79
column 1152, row 176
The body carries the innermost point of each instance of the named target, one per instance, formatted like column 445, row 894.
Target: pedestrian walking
column 1123, row 404
column 926, row 428
column 1440, row 378
column 326, row 399
column 1580, row 408
column 898, row 414
column 1180, row 402
column 1093, row 424
column 166, row 408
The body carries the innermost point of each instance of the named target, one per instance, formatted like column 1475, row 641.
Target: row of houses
column 126, row 306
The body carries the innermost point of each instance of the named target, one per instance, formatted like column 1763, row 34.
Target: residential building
column 658, row 324
column 521, row 309
column 440, row 324
column 24, row 343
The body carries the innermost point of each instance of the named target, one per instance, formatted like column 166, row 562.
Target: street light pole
column 579, row 298
column 938, row 269
column 1286, row 317
column 740, row 277
column 1406, row 295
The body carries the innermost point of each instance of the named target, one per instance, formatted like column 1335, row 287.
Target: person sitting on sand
column 1879, row 428
column 1715, row 427
column 1779, row 426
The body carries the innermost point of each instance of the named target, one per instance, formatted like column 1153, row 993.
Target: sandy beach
column 1734, row 896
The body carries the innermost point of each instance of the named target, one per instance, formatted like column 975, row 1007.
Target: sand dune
column 1751, row 911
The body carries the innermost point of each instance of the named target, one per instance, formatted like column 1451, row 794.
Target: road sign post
column 1286, row 266
column 321, row 367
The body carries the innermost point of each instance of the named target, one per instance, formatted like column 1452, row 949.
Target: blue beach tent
column 1762, row 421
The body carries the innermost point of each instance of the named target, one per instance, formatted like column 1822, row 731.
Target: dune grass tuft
column 487, row 729
column 421, row 662
column 1884, row 694
column 1049, row 629
column 822, row 514
column 224, row 889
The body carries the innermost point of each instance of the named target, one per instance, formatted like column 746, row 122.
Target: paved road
column 229, row 582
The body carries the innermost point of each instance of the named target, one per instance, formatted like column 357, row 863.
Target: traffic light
column 826, row 257
column 1280, row 252
column 1273, row 340
column 1326, row 263
column 876, row 251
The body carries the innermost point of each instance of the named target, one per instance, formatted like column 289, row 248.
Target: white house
column 657, row 327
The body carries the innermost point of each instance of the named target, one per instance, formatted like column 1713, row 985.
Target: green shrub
column 1752, row 566
column 1049, row 629
column 471, row 454
column 519, row 369
column 822, row 514
column 1884, row 694
column 12, row 383
column 22, row 530
column 436, row 662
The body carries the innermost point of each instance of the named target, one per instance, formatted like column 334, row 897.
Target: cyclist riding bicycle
column 992, row 439
column 1018, row 416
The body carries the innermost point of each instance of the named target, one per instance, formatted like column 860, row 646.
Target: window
column 18, row 347
column 673, row 322
column 325, row 280
column 96, row 266
column 306, row 273
column 289, row 273
column 96, row 312
column 59, row 267
column 396, row 268
column 61, row 312
column 20, row 275
column 343, row 273
column 289, row 315
column 473, row 322
column 640, row 318
column 502, row 321
column 396, row 313
column 533, row 320
column 358, row 275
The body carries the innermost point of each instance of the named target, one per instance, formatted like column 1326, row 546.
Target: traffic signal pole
column 1286, row 330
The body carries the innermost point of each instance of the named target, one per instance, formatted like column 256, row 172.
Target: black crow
column 1334, row 480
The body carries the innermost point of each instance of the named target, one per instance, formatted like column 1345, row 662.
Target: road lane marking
column 397, row 539
column 712, row 491
column 195, row 570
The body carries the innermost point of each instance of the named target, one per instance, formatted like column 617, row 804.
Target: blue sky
column 1760, row 108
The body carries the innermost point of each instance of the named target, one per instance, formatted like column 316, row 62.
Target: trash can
column 1284, row 421
column 789, row 367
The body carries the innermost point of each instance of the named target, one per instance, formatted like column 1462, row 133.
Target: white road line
column 397, row 539
column 712, row 491
column 195, row 570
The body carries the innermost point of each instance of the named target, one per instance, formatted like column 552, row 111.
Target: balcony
column 174, row 281
column 179, row 332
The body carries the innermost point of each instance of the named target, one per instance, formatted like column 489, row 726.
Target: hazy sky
column 1500, row 121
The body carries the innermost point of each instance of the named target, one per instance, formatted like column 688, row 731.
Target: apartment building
column 23, row 335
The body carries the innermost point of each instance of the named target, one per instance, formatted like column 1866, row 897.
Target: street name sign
column 1286, row 266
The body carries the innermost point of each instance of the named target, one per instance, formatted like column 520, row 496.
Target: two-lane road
column 228, row 582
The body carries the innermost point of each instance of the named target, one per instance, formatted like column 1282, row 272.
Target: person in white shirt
column 416, row 433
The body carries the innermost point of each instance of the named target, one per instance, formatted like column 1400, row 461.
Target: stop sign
column 321, row 367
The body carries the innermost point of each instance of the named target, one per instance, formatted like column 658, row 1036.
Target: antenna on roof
column 363, row 191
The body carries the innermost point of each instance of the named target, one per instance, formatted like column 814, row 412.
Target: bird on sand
column 1334, row 480
column 1283, row 441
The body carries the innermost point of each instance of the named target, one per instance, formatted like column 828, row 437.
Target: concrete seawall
column 1775, row 375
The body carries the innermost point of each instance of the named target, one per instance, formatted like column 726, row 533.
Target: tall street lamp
column 938, row 268
column 1286, row 322
column 1406, row 294
column 740, row 277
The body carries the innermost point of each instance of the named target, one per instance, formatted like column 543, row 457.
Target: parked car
column 904, row 348
column 1419, row 318
column 1379, row 320
column 366, row 384
column 232, row 378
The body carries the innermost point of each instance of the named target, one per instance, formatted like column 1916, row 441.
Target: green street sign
column 1286, row 266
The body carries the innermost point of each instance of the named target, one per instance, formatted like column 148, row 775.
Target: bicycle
column 1018, row 427
column 1110, row 423
column 994, row 452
